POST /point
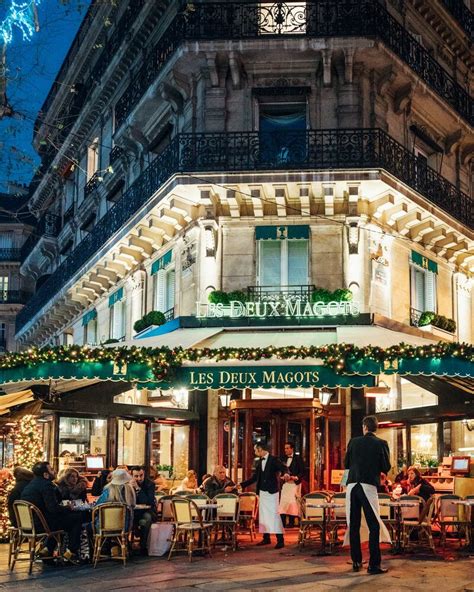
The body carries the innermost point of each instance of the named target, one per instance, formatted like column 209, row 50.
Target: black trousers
column 359, row 501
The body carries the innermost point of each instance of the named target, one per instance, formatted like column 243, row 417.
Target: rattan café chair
column 188, row 523
column 109, row 524
column 36, row 537
column 248, row 511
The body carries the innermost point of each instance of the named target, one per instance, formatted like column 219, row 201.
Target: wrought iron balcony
column 169, row 314
column 92, row 184
column 462, row 14
column 277, row 293
column 317, row 18
column 68, row 214
column 254, row 151
column 49, row 227
column 10, row 254
column 415, row 316
column 115, row 154
column 14, row 297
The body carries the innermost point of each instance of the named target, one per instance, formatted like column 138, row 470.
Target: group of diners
column 62, row 501
column 409, row 481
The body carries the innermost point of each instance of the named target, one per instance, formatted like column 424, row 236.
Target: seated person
column 145, row 494
column 419, row 486
column 385, row 484
column 22, row 478
column 45, row 495
column 218, row 483
column 161, row 483
column 100, row 482
column 189, row 483
column 72, row 486
column 402, row 478
column 119, row 490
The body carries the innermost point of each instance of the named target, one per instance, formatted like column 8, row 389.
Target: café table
column 326, row 507
column 398, row 505
column 468, row 504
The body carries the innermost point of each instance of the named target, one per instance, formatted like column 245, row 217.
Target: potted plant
column 153, row 318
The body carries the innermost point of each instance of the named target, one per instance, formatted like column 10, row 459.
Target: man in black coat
column 367, row 456
column 218, row 483
column 44, row 494
column 291, row 489
column 22, row 478
column 145, row 492
column 267, row 479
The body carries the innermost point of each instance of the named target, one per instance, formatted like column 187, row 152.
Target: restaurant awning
column 179, row 338
column 7, row 402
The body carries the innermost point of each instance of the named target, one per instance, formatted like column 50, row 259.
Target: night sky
column 31, row 69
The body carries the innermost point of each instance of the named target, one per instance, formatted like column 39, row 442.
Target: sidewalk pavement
column 251, row 568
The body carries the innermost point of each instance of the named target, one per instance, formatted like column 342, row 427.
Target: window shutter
column 297, row 262
column 117, row 320
column 160, row 290
column 170, row 279
column 419, row 289
column 270, row 263
column 430, row 291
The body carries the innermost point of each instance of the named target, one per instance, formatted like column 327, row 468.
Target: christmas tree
column 6, row 485
column 28, row 444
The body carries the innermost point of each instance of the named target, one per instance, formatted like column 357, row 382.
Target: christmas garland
column 163, row 361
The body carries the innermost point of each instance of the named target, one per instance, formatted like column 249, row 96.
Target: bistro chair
column 32, row 529
column 338, row 517
column 414, row 521
column 449, row 516
column 186, row 526
column 13, row 538
column 386, row 515
column 109, row 524
column 248, row 511
column 165, row 512
column 312, row 519
column 469, row 517
column 200, row 499
column 227, row 517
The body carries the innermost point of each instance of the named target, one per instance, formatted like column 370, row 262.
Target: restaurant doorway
column 315, row 433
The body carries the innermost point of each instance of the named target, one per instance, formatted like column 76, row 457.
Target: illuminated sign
column 292, row 308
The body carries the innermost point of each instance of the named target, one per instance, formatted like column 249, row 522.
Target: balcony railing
column 115, row 154
column 169, row 314
column 92, row 184
column 462, row 14
column 10, row 254
column 14, row 297
column 277, row 293
column 49, row 227
column 318, row 18
column 69, row 214
column 251, row 151
column 415, row 316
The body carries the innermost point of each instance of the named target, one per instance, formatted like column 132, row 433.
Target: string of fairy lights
column 164, row 361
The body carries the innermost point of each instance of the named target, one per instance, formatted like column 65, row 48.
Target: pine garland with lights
column 6, row 485
column 163, row 361
column 28, row 448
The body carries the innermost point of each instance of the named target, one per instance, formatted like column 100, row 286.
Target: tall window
column 3, row 287
column 89, row 322
column 423, row 283
column 3, row 335
column 117, row 315
column 282, row 129
column 92, row 158
column 163, row 283
column 283, row 255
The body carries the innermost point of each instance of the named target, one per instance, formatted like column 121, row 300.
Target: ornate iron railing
column 115, row 154
column 415, row 316
column 68, row 214
column 277, row 293
column 49, row 226
column 10, row 254
column 316, row 18
column 169, row 314
column 252, row 151
column 14, row 297
column 462, row 14
column 92, row 184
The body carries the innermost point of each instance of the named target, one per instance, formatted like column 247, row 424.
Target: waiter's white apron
column 290, row 492
column 371, row 494
column 269, row 521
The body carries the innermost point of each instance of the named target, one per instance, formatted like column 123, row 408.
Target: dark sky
column 31, row 69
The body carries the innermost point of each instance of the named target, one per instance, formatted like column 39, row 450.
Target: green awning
column 282, row 232
column 115, row 297
column 89, row 316
column 162, row 262
column 424, row 262
column 414, row 366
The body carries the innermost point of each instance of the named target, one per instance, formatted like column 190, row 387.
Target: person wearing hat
column 119, row 490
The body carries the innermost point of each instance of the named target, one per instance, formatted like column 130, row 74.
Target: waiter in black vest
column 367, row 456
column 267, row 478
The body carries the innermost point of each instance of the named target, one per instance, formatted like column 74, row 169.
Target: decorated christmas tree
column 28, row 445
column 6, row 485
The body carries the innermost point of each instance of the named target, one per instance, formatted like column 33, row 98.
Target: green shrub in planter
column 451, row 325
column 237, row 295
column 342, row 295
column 218, row 297
column 426, row 318
column 111, row 341
column 339, row 295
column 155, row 317
column 321, row 295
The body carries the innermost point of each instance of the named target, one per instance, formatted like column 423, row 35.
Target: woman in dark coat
column 72, row 486
column 22, row 478
column 419, row 486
